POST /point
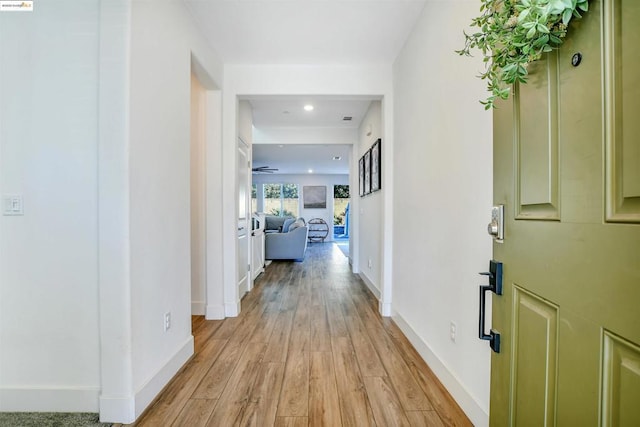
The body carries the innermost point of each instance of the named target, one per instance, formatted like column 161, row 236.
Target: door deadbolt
column 496, row 226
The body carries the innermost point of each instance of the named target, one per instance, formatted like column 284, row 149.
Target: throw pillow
column 296, row 224
column 287, row 223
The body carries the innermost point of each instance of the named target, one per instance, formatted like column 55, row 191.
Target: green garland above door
column 514, row 33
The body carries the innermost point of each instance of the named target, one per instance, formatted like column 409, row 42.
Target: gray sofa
column 287, row 245
column 273, row 223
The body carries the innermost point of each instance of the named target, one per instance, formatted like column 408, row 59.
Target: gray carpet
column 50, row 419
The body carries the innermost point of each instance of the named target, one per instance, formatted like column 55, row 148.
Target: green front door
column 567, row 169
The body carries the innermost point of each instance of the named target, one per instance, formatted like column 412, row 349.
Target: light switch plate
column 12, row 205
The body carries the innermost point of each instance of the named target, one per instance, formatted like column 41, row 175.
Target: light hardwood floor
column 309, row 349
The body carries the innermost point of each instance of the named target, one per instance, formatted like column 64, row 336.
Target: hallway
column 309, row 348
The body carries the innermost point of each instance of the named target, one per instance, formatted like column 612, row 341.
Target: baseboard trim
column 478, row 416
column 49, row 399
column 214, row 312
column 375, row 291
column 231, row 309
column 126, row 409
column 116, row 409
column 198, row 308
column 384, row 308
column 156, row 383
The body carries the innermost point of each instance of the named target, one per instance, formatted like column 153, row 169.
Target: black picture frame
column 376, row 166
column 361, row 175
column 367, row 172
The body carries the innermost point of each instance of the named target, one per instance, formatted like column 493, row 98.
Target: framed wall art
column 314, row 196
column 367, row 172
column 361, row 175
column 376, row 176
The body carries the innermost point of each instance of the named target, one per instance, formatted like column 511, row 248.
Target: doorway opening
column 198, row 196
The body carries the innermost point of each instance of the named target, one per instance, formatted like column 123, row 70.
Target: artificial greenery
column 514, row 33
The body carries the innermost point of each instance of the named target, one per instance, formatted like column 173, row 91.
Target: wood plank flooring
column 309, row 349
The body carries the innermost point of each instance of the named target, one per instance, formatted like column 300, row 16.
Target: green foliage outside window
column 340, row 202
column 341, row 192
column 281, row 199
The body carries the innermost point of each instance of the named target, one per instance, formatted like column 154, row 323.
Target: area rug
column 344, row 247
column 50, row 419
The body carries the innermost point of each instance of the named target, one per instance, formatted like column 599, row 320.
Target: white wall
column 298, row 135
column 49, row 348
column 305, row 179
column 370, row 215
column 443, row 194
column 163, row 39
column 245, row 122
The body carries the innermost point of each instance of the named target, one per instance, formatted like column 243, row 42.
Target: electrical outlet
column 452, row 331
column 167, row 321
column 370, row 263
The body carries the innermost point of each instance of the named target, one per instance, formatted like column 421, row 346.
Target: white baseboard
column 117, row 409
column 478, row 416
column 156, row 383
column 214, row 312
column 374, row 290
column 384, row 308
column 49, row 399
column 198, row 308
column 125, row 409
column 232, row 309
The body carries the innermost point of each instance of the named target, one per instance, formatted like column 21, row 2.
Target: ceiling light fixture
column 308, row 107
column 310, row 170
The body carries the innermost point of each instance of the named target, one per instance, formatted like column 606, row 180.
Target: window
column 254, row 198
column 281, row 199
column 340, row 210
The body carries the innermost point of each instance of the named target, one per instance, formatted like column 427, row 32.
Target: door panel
column 621, row 382
column 535, row 333
column 568, row 316
column 622, row 97
column 536, row 145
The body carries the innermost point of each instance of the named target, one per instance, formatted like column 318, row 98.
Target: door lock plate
column 496, row 226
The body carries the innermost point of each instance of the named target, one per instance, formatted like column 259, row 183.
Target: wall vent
column 347, row 118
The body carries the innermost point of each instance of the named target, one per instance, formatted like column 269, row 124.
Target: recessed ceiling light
column 280, row 146
column 310, row 170
column 308, row 107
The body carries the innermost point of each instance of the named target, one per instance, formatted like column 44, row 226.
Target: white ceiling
column 306, row 31
column 299, row 158
column 288, row 111
column 319, row 32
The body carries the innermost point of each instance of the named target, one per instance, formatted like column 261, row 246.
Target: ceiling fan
column 264, row 169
